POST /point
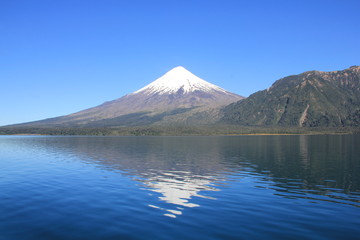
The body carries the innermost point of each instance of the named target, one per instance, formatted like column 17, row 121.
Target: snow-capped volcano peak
column 176, row 97
column 179, row 79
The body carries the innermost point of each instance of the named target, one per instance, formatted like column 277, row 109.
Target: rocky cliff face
column 310, row 99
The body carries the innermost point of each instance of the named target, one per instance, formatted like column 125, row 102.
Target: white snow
column 176, row 79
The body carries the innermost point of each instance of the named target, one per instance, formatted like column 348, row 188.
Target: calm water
column 246, row 187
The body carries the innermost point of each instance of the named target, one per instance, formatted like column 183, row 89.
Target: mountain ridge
column 312, row 99
column 309, row 99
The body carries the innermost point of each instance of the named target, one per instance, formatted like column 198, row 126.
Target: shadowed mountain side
column 310, row 99
column 137, row 119
column 180, row 116
column 154, row 104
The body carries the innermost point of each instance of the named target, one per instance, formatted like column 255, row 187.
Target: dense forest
column 175, row 130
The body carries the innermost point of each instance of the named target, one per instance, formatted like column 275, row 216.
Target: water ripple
column 179, row 188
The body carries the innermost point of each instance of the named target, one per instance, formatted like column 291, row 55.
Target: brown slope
column 310, row 99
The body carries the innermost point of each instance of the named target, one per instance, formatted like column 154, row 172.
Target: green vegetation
column 204, row 130
column 309, row 103
column 310, row 99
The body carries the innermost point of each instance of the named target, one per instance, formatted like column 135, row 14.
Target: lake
column 233, row 187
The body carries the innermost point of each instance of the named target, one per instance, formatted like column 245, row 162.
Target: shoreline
column 203, row 130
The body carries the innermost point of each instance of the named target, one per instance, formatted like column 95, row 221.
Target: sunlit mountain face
column 175, row 97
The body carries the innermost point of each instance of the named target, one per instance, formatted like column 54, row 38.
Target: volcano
column 177, row 96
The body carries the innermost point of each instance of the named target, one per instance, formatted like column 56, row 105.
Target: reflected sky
column 178, row 170
column 180, row 187
column 175, row 170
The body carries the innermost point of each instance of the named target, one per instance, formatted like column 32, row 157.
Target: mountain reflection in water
column 178, row 188
column 256, row 187
column 177, row 169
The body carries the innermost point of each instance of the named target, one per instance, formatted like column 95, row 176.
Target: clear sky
column 61, row 56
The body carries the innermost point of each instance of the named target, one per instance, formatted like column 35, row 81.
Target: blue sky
column 58, row 56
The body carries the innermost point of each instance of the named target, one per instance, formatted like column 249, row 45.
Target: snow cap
column 176, row 79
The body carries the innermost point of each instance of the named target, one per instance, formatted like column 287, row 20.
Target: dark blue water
column 246, row 187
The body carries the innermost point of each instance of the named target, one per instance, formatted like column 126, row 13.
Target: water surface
column 245, row 187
